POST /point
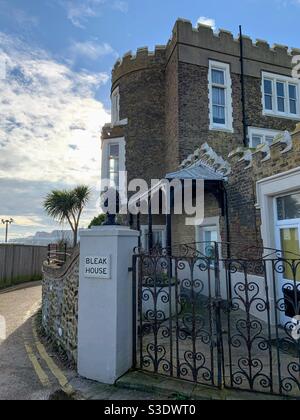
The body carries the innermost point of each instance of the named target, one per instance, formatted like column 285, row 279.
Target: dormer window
column 115, row 106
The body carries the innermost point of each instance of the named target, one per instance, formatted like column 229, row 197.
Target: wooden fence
column 20, row 263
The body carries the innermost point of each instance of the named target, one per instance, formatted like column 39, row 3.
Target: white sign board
column 97, row 267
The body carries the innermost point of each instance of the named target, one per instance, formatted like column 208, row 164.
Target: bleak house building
column 222, row 109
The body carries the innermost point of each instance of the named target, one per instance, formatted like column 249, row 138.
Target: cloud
column 19, row 16
column 121, row 6
column 50, row 124
column 92, row 50
column 207, row 21
column 80, row 11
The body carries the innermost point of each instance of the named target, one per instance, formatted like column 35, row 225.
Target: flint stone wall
column 60, row 305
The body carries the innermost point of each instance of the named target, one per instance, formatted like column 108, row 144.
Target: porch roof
column 198, row 170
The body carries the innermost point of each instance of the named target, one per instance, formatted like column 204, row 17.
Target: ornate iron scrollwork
column 219, row 321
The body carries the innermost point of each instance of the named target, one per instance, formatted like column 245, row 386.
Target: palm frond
column 58, row 204
column 67, row 205
column 82, row 195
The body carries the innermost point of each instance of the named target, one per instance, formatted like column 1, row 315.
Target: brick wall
column 172, row 115
column 164, row 96
column 142, row 102
column 245, row 219
column 254, row 108
column 194, row 113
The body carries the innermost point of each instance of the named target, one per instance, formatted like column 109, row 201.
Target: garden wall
column 60, row 305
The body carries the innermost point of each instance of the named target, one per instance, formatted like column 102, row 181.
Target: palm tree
column 67, row 205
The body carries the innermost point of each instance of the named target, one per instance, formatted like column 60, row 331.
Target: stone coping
column 59, row 272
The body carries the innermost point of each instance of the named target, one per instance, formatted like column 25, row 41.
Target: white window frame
column 279, row 225
column 115, row 106
column 274, row 78
column 262, row 132
column 106, row 143
column 155, row 228
column 285, row 222
column 210, row 223
column 228, row 126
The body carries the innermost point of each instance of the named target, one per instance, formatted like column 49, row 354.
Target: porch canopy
column 213, row 183
column 198, row 170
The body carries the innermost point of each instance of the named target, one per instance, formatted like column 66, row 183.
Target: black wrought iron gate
column 218, row 321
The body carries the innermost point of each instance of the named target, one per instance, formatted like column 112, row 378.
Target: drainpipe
column 228, row 239
column 150, row 227
column 245, row 131
column 138, row 228
column 170, row 207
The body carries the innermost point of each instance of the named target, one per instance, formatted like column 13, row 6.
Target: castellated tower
column 164, row 97
column 141, row 81
column 183, row 103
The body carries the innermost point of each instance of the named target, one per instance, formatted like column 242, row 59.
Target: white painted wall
column 105, row 305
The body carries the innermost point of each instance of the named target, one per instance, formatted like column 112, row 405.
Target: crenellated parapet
column 223, row 41
column 204, row 37
column 141, row 60
column 283, row 154
column 209, row 157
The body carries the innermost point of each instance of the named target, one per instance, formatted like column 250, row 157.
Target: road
column 27, row 370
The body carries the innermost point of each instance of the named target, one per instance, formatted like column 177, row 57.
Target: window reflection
column 288, row 207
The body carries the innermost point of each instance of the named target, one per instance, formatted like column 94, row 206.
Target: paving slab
column 175, row 388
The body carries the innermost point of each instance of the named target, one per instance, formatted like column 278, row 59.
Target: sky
column 56, row 58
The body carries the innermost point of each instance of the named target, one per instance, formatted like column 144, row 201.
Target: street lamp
column 7, row 222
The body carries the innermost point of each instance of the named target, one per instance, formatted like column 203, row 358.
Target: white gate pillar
column 105, row 303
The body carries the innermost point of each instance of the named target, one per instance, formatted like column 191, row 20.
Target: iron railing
column 224, row 322
column 57, row 254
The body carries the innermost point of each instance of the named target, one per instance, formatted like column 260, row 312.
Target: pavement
column 26, row 369
column 29, row 369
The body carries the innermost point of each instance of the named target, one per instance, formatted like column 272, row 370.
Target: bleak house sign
column 97, row 267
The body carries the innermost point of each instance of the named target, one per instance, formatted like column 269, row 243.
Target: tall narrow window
column 113, row 164
column 115, row 106
column 220, row 96
column 293, row 99
column 280, row 87
column 268, row 87
column 210, row 238
column 281, row 96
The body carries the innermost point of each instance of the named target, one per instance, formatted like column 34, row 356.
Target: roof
column 198, row 170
